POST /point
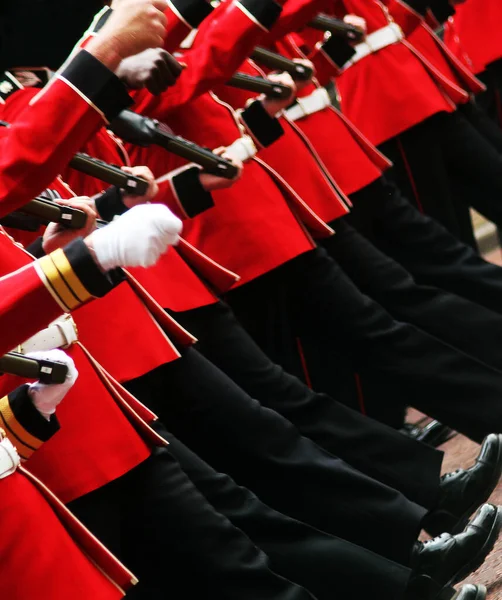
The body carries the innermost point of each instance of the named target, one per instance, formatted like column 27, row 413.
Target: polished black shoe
column 433, row 434
column 469, row 591
column 462, row 491
column 443, row 561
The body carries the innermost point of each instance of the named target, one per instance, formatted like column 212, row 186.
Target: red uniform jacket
column 98, row 440
column 34, row 150
column 345, row 152
column 47, row 553
column 174, row 281
column 456, row 80
column 392, row 90
column 259, row 223
column 292, row 157
column 476, row 32
column 45, row 550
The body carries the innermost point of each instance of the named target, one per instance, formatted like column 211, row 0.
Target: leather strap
column 308, row 105
column 379, row 39
column 9, row 458
column 242, row 149
column 60, row 334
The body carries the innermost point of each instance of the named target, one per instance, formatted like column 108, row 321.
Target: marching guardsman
column 186, row 382
column 249, row 255
column 46, row 551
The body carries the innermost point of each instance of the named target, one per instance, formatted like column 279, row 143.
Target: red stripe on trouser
column 410, row 176
column 305, row 369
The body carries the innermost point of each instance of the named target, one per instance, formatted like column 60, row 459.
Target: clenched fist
column 134, row 26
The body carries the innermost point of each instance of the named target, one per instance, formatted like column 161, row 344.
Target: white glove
column 136, row 239
column 46, row 397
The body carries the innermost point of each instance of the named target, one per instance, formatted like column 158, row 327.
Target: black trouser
column 423, row 247
column 187, row 542
column 445, row 164
column 163, row 528
column 260, row 449
column 369, row 446
column 491, row 100
column 464, row 324
column 401, row 360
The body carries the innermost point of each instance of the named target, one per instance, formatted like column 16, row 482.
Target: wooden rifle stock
column 272, row 60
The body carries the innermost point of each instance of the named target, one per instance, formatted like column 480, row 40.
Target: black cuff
column 98, row 84
column 442, row 10
column 36, row 248
column 338, row 50
column 28, row 416
column 110, row 203
column 264, row 128
column 266, row 12
column 192, row 11
column 85, row 268
column 192, row 196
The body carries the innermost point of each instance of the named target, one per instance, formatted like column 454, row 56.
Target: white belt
column 391, row 34
column 9, row 458
column 242, row 149
column 60, row 334
column 308, row 105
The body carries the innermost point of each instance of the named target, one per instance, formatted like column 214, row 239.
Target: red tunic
column 293, row 158
column 260, row 222
column 455, row 79
column 392, row 90
column 477, row 25
column 44, row 548
column 98, row 440
column 346, row 153
column 34, row 150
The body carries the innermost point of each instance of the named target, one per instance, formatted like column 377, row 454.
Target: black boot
column 443, row 561
column 462, row 491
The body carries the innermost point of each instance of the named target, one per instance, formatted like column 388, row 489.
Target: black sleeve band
column 110, row 203
column 264, row 128
column 193, row 11
column 29, row 417
column 338, row 50
column 266, row 12
column 98, row 84
column 192, row 196
column 36, row 248
column 93, row 279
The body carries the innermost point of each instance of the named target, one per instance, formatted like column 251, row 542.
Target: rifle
column 42, row 211
column 243, row 81
column 105, row 172
column 46, row 371
column 143, row 131
column 272, row 60
column 337, row 27
column 111, row 174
